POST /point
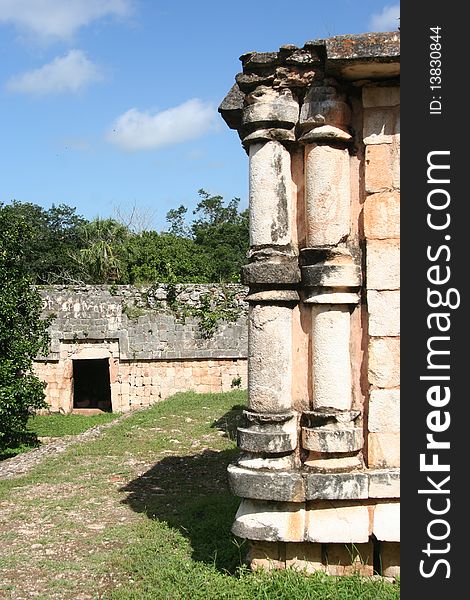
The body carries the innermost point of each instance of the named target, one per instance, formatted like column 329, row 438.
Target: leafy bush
column 23, row 334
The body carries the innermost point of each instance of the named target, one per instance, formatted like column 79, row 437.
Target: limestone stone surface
column 383, row 450
column 381, row 125
column 327, row 194
column 269, row 135
column 266, row 556
column 326, row 133
column 271, row 273
column 384, row 362
column 382, row 215
column 379, row 168
column 151, row 354
column 330, row 356
column 387, row 522
column 346, row 559
column 273, row 106
column 269, row 374
column 274, row 296
column 305, row 557
column 270, row 521
column 232, row 107
column 270, row 190
column 331, row 275
column 324, row 106
column 384, row 411
column 384, row 483
column 269, row 437
column 283, row 486
column 337, row 522
column 273, row 463
column 332, row 440
column 336, row 486
column 390, row 559
column 383, row 264
column 380, row 96
column 324, row 301
column 323, row 463
column 326, row 297
column 384, row 313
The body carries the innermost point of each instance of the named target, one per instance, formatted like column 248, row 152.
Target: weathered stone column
column 267, row 471
column 313, row 494
column 332, row 432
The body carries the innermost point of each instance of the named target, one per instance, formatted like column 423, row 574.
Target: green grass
column 154, row 486
column 161, row 566
column 57, row 425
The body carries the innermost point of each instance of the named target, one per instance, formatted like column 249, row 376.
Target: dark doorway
column 91, row 384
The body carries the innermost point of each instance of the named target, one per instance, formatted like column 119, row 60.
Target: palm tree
column 100, row 260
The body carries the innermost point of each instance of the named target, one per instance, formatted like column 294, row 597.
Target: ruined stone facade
column 120, row 347
column 318, row 474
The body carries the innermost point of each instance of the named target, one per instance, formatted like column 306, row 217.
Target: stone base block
column 384, row 450
column 334, row 559
column 305, row 557
column 387, row 521
column 337, row 522
column 347, row 559
column 390, row 559
column 283, row 486
column 270, row 521
column 336, row 486
column 384, row 483
column 266, row 555
column 332, row 440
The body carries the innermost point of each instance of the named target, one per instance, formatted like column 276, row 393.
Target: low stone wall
column 157, row 340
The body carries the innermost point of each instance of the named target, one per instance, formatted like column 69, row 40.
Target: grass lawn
column 56, row 425
column 144, row 512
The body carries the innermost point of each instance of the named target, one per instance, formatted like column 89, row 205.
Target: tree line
column 64, row 247
column 55, row 245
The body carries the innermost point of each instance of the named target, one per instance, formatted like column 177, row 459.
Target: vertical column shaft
column 270, row 373
column 270, row 191
column 331, row 363
column 327, row 194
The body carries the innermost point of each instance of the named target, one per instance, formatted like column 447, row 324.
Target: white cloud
column 387, row 20
column 59, row 18
column 143, row 130
column 69, row 73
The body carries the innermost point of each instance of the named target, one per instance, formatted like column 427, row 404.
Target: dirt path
column 70, row 508
column 57, row 532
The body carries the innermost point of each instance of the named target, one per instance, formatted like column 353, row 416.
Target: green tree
column 153, row 257
column 101, row 260
column 50, row 251
column 222, row 234
column 23, row 334
column 176, row 217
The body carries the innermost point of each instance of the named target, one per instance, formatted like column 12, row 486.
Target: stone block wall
column 155, row 346
column 318, row 473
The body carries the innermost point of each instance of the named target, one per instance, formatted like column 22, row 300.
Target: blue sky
column 111, row 104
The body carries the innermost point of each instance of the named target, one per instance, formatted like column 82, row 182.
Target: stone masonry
column 150, row 350
column 319, row 470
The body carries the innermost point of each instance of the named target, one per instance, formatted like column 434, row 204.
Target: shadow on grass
column 230, row 421
column 191, row 493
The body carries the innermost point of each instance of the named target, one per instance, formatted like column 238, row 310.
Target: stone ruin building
column 319, row 469
column 117, row 348
column 318, row 473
